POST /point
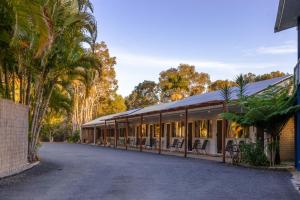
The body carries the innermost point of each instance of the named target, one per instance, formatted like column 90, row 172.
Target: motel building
column 189, row 127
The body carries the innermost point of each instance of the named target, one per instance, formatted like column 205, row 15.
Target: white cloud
column 286, row 48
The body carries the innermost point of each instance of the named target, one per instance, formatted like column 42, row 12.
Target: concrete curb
column 19, row 170
column 273, row 168
column 296, row 180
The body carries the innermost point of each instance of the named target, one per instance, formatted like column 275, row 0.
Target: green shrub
column 253, row 154
column 74, row 138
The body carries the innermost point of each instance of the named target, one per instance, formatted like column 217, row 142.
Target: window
column 144, row 130
column 122, row 132
column 203, row 128
column 130, row 130
column 157, row 130
column 163, row 130
column 237, row 131
column 179, row 129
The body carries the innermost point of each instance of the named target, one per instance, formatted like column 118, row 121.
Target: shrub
column 74, row 138
column 253, row 154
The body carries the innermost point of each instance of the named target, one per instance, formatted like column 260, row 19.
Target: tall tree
column 43, row 48
column 96, row 93
column 181, row 82
column 144, row 94
column 220, row 84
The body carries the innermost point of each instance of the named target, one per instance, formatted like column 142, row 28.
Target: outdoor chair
column 143, row 142
column 180, row 145
column 154, row 143
column 175, row 144
column 196, row 145
column 128, row 141
column 203, row 147
column 228, row 147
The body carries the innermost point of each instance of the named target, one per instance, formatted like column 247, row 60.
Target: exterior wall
column 287, row 141
column 13, row 137
column 87, row 135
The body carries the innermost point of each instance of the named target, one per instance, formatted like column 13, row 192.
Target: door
column 190, row 136
column 168, row 135
column 219, row 136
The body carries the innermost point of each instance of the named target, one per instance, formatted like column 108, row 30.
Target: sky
column 221, row 37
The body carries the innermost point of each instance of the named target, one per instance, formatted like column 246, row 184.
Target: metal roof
column 102, row 119
column 287, row 15
column 251, row 89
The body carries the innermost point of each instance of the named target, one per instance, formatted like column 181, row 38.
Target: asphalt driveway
column 72, row 171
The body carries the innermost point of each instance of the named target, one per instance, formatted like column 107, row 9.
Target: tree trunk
column 13, row 87
column 6, row 79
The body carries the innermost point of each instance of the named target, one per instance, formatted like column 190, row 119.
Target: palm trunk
column 39, row 114
column 6, row 79
column 13, row 87
column 27, row 99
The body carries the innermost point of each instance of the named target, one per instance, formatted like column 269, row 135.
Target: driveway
column 73, row 171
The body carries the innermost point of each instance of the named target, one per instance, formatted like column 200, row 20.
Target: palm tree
column 225, row 92
column 49, row 33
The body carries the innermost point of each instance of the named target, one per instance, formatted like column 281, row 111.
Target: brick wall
column 287, row 141
column 13, row 137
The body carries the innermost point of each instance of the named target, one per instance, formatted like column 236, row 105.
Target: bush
column 253, row 154
column 74, row 138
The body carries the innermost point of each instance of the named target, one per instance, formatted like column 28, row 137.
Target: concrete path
column 70, row 171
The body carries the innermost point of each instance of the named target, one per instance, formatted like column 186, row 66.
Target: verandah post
column 115, row 135
column 95, row 134
column 224, row 130
column 105, row 133
column 140, row 133
column 126, row 134
column 160, row 132
column 185, row 132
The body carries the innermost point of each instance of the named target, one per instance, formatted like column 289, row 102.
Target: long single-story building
column 189, row 125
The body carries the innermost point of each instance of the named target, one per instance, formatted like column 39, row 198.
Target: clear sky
column 220, row 37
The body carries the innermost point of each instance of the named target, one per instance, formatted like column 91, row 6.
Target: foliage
column 226, row 91
column 247, row 78
column 177, row 83
column 95, row 94
column 253, row 154
column 41, row 51
column 74, row 138
column 269, row 110
column 250, row 77
column 219, row 84
column 144, row 94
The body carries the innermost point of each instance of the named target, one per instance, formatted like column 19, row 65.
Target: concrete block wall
column 13, row 137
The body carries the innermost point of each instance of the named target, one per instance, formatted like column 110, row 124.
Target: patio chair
column 196, row 145
column 228, row 147
column 204, row 145
column 143, row 142
column 175, row 143
column 154, row 143
column 179, row 145
column 128, row 141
